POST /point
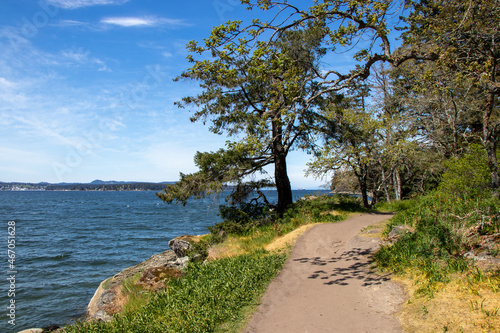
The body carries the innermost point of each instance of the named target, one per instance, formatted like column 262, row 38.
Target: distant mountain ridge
column 114, row 182
column 95, row 185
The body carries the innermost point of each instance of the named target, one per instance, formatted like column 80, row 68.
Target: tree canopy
column 265, row 85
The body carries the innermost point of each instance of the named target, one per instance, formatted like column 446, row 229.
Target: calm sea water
column 68, row 242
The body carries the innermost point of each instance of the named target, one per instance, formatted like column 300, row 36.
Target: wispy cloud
column 70, row 23
column 74, row 4
column 80, row 57
column 142, row 21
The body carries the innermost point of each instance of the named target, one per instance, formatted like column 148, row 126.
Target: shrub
column 241, row 218
column 468, row 176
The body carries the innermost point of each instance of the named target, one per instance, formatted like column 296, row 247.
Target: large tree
column 257, row 97
column 351, row 144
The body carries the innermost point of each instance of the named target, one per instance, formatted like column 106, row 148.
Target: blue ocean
column 67, row 242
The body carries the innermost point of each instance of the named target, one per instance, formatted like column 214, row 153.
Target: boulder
column 107, row 299
column 154, row 278
column 180, row 263
column 182, row 245
column 397, row 232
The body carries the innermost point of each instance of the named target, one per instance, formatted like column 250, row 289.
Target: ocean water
column 66, row 243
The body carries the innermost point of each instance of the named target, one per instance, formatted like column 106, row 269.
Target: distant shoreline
column 94, row 186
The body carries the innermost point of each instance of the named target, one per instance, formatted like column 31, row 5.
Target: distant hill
column 96, row 185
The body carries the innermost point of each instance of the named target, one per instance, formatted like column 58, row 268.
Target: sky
column 87, row 90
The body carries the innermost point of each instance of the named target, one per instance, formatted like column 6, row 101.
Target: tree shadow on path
column 349, row 266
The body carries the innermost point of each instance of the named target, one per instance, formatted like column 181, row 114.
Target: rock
column 485, row 255
column 397, row 232
column 107, row 299
column 180, row 246
column 154, row 278
column 102, row 315
column 51, row 328
column 181, row 262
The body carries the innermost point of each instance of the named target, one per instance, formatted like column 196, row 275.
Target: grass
column 447, row 293
column 445, row 228
column 220, row 295
column 206, row 297
column 468, row 302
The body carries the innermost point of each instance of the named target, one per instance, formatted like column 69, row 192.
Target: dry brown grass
column 374, row 230
column 154, row 278
column 231, row 247
column 288, row 239
column 330, row 212
column 237, row 245
column 191, row 238
column 458, row 306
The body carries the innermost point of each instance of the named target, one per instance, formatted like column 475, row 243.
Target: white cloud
column 69, row 23
column 74, row 4
column 5, row 84
column 80, row 57
column 141, row 21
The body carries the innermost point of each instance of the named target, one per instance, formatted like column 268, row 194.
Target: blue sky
column 86, row 90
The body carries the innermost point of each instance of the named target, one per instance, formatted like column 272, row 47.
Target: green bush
column 445, row 227
column 241, row 218
column 316, row 209
column 469, row 176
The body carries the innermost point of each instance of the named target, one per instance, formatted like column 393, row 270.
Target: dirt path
column 327, row 285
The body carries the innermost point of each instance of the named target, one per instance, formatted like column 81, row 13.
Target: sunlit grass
column 468, row 302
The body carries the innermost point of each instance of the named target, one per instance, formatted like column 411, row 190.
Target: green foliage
column 395, row 205
column 240, row 219
column 207, row 296
column 469, row 176
column 444, row 228
column 246, row 218
column 253, row 91
column 216, row 170
column 320, row 209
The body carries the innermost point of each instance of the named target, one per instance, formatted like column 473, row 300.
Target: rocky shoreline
column 108, row 299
